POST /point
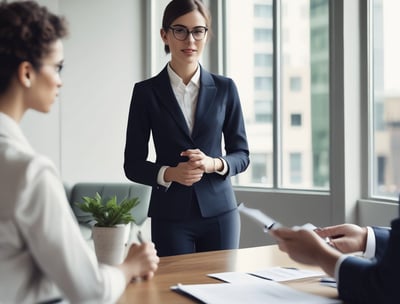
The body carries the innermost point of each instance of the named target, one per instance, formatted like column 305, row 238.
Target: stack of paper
column 278, row 274
column 260, row 293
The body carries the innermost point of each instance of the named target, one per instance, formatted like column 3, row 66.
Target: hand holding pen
column 140, row 237
column 141, row 260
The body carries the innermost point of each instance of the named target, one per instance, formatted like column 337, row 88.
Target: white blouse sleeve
column 46, row 222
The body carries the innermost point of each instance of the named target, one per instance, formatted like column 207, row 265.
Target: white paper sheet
column 281, row 274
column 236, row 277
column 278, row 274
column 266, row 221
column 269, row 292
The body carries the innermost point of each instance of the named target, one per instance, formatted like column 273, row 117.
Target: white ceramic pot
column 110, row 243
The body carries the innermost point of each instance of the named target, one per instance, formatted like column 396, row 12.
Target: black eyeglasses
column 181, row 32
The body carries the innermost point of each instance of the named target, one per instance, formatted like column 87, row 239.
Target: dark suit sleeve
column 381, row 239
column 136, row 166
column 236, row 147
column 373, row 281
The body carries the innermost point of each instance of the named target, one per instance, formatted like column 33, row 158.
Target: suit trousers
column 196, row 233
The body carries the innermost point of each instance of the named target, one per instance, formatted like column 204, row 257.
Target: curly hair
column 27, row 31
column 177, row 8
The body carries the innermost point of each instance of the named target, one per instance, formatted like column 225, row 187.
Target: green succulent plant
column 108, row 213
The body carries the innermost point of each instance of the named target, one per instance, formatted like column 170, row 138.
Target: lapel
column 205, row 100
column 167, row 99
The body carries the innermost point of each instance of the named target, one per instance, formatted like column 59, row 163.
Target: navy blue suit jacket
column 365, row 281
column 154, row 109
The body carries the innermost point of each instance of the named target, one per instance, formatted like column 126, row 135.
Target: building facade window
column 263, row 111
column 295, row 168
column 295, row 84
column 263, row 10
column 263, row 83
column 263, row 60
column 295, row 120
column 258, row 170
column 263, row 35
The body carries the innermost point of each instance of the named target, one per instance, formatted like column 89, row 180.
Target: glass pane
column 304, row 89
column 386, row 99
column 296, row 168
column 249, row 62
column 305, row 94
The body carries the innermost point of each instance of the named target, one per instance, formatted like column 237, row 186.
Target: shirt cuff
column 114, row 283
column 224, row 169
column 337, row 267
column 370, row 247
column 160, row 177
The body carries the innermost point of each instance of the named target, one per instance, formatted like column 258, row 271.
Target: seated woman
column 43, row 256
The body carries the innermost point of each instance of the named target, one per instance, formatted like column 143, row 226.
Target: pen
column 273, row 225
column 140, row 238
column 327, row 280
column 290, row 268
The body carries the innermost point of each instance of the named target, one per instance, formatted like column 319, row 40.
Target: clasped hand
column 197, row 159
column 190, row 172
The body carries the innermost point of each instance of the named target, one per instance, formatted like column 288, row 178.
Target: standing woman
column 43, row 256
column 187, row 110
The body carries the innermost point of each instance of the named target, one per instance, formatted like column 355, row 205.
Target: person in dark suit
column 188, row 111
column 368, row 279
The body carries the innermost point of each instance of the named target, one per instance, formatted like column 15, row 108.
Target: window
column 259, row 171
column 263, row 60
column 263, row 11
column 263, row 35
column 295, row 84
column 381, row 170
column 295, row 120
column 263, row 83
column 263, row 111
column 292, row 157
column 295, row 168
column 385, row 99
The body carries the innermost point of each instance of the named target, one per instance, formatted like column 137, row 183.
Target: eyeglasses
column 181, row 33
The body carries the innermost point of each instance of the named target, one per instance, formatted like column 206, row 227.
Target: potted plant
column 112, row 225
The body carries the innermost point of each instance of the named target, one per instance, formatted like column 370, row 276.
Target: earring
column 28, row 83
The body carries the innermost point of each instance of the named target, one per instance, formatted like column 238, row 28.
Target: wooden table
column 193, row 269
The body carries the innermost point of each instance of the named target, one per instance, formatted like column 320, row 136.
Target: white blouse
column 42, row 252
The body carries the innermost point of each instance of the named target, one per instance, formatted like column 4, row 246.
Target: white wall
column 103, row 60
column 104, row 55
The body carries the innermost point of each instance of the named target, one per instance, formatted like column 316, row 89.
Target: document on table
column 278, row 274
column 268, row 292
column 236, row 277
column 281, row 274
